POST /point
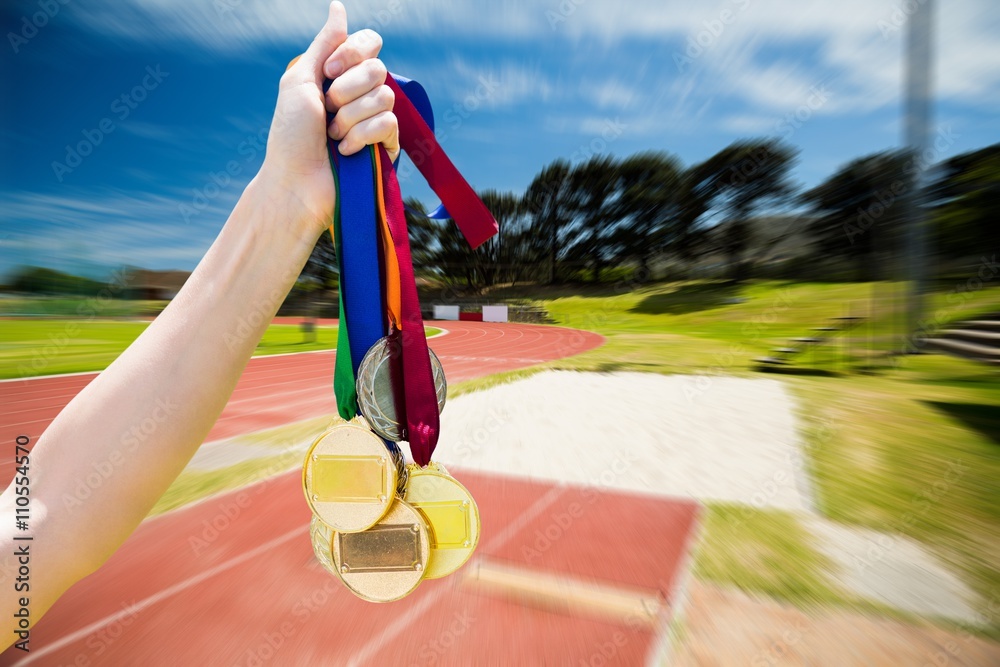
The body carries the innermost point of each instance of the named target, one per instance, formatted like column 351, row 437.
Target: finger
column 354, row 83
column 357, row 48
column 332, row 35
column 368, row 105
column 379, row 129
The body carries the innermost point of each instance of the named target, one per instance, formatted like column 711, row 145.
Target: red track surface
column 254, row 595
column 249, row 593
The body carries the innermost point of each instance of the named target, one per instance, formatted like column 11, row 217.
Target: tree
column 966, row 202
column 548, row 202
column 423, row 236
column 755, row 173
column 321, row 268
column 40, row 280
column 594, row 187
column 858, row 209
column 697, row 192
column 647, row 206
column 497, row 256
column 453, row 258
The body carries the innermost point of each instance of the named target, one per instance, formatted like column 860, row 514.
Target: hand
column 296, row 146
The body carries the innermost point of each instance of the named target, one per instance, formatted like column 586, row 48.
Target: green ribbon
column 343, row 375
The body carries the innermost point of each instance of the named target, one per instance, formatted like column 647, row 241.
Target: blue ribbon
column 418, row 96
column 358, row 255
column 362, row 275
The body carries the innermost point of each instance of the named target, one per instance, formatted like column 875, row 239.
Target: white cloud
column 858, row 41
column 748, row 124
column 612, row 93
column 110, row 227
column 236, row 25
column 859, row 51
column 495, row 85
column 767, row 52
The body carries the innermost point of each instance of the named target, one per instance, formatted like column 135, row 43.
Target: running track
column 250, row 594
column 277, row 390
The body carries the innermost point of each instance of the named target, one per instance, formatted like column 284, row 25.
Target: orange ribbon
column 393, row 300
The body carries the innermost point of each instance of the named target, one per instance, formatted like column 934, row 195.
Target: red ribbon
column 418, row 140
column 422, row 418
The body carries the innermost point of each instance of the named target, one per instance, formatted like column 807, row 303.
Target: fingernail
column 334, row 68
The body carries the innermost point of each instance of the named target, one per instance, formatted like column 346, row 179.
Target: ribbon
column 391, row 278
column 422, row 417
column 457, row 196
column 377, row 284
column 393, row 302
column 362, row 272
column 418, row 96
column 344, row 387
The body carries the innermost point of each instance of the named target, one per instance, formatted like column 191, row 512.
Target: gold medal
column 451, row 514
column 376, row 398
column 322, row 537
column 385, row 562
column 350, row 478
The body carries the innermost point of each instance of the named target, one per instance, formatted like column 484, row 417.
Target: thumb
column 333, row 34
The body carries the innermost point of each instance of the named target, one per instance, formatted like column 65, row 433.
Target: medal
column 381, row 564
column 321, row 536
column 379, row 525
column 376, row 395
column 451, row 515
column 387, row 561
column 350, row 477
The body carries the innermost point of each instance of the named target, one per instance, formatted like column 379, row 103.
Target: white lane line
column 441, row 332
column 42, row 377
column 392, row 630
column 494, row 359
column 514, row 527
column 162, row 595
column 396, row 627
column 95, row 373
column 288, row 354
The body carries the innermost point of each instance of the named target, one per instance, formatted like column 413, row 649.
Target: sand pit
column 715, row 438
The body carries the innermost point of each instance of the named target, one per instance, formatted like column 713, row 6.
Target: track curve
column 279, row 389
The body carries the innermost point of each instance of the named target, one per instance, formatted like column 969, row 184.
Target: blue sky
column 515, row 84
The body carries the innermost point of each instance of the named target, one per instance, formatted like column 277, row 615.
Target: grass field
column 880, row 445
column 47, row 347
column 51, row 346
column 77, row 307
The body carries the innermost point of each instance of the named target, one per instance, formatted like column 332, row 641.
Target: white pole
column 919, row 35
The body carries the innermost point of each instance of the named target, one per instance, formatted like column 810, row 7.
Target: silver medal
column 376, row 398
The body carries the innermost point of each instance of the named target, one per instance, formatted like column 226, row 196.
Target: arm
column 150, row 410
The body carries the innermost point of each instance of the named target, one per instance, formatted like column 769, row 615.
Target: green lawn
column 47, row 347
column 51, row 346
column 693, row 327
column 77, row 307
column 913, row 449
